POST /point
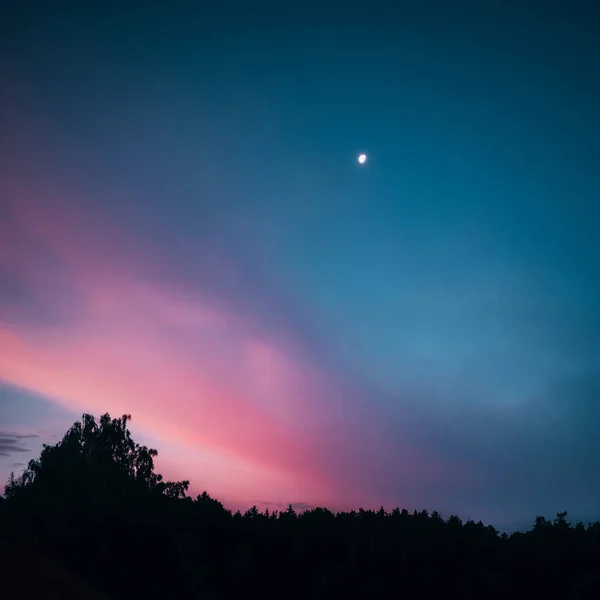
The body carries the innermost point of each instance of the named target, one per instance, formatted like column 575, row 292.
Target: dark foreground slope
column 197, row 549
column 30, row 571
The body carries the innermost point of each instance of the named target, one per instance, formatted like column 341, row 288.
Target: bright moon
column 362, row 159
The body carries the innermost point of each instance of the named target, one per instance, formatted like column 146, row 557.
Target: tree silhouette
column 94, row 462
column 94, row 503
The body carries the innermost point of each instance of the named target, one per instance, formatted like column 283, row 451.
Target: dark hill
column 30, row 572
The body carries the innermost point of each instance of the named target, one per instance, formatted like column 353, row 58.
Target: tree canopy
column 94, row 502
column 93, row 463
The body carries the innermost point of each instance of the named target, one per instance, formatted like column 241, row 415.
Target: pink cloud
column 245, row 413
column 190, row 371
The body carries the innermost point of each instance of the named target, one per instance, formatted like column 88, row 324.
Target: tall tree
column 93, row 462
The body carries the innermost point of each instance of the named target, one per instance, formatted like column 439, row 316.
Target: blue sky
column 442, row 301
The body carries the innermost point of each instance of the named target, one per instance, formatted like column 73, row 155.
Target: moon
column 362, row 159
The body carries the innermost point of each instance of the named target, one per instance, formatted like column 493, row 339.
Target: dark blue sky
column 443, row 300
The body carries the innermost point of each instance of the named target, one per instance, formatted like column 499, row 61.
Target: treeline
column 95, row 504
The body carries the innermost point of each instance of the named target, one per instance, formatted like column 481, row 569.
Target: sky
column 186, row 236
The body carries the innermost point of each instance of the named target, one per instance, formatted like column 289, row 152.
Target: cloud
column 297, row 506
column 301, row 506
column 245, row 407
column 11, row 443
column 118, row 330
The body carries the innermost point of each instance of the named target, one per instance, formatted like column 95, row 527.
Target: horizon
column 186, row 236
column 301, row 507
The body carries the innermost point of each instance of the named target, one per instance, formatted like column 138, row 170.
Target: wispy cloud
column 244, row 406
column 183, row 361
column 297, row 506
column 11, row 443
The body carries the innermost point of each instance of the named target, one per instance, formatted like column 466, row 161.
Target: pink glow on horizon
column 191, row 372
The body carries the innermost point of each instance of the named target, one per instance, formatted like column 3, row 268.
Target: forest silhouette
column 90, row 518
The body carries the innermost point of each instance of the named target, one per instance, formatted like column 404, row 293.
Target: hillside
column 30, row 571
